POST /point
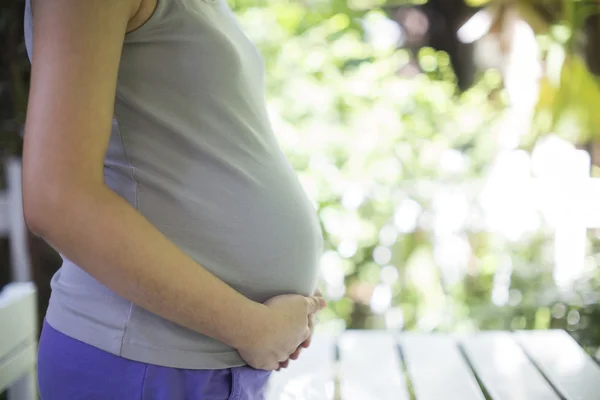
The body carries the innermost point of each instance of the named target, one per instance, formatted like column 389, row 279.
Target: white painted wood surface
column 17, row 373
column 311, row 377
column 370, row 367
column 504, row 369
column 570, row 369
column 18, row 340
column 437, row 369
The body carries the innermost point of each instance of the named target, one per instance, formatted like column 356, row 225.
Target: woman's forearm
column 99, row 231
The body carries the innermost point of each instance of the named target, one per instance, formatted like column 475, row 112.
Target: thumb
column 315, row 304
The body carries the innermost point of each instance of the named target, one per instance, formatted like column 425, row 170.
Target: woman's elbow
column 43, row 207
column 51, row 206
column 36, row 211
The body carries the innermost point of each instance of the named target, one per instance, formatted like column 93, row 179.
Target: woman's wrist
column 252, row 319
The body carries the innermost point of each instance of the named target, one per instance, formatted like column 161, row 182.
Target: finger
column 322, row 303
column 307, row 334
column 307, row 341
column 271, row 367
column 284, row 364
column 318, row 293
column 296, row 354
column 315, row 304
column 285, row 358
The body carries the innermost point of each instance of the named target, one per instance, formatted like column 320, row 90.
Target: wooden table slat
column 437, row 369
column 308, row 378
column 504, row 369
column 370, row 367
column 564, row 362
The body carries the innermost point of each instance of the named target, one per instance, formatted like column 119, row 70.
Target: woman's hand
column 286, row 325
column 306, row 343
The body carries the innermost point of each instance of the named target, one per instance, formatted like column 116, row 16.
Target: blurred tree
column 14, row 76
column 364, row 141
column 435, row 24
column 385, row 158
column 568, row 36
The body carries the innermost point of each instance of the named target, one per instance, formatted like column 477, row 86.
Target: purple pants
column 72, row 370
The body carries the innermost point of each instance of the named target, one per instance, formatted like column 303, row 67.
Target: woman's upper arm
column 76, row 52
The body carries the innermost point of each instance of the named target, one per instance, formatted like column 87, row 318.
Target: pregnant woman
column 189, row 248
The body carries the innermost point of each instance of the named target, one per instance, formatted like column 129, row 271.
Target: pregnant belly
column 263, row 239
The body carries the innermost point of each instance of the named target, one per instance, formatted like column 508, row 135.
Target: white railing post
column 21, row 266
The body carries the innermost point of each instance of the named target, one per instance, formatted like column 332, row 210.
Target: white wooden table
column 376, row 365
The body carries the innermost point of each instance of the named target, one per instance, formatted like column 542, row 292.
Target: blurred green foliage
column 389, row 162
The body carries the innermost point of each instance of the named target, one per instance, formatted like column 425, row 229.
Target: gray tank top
column 192, row 150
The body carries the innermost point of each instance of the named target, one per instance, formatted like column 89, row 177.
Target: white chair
column 18, row 305
column 18, row 341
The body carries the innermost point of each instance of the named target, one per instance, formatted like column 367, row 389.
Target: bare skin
column 306, row 343
column 76, row 51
